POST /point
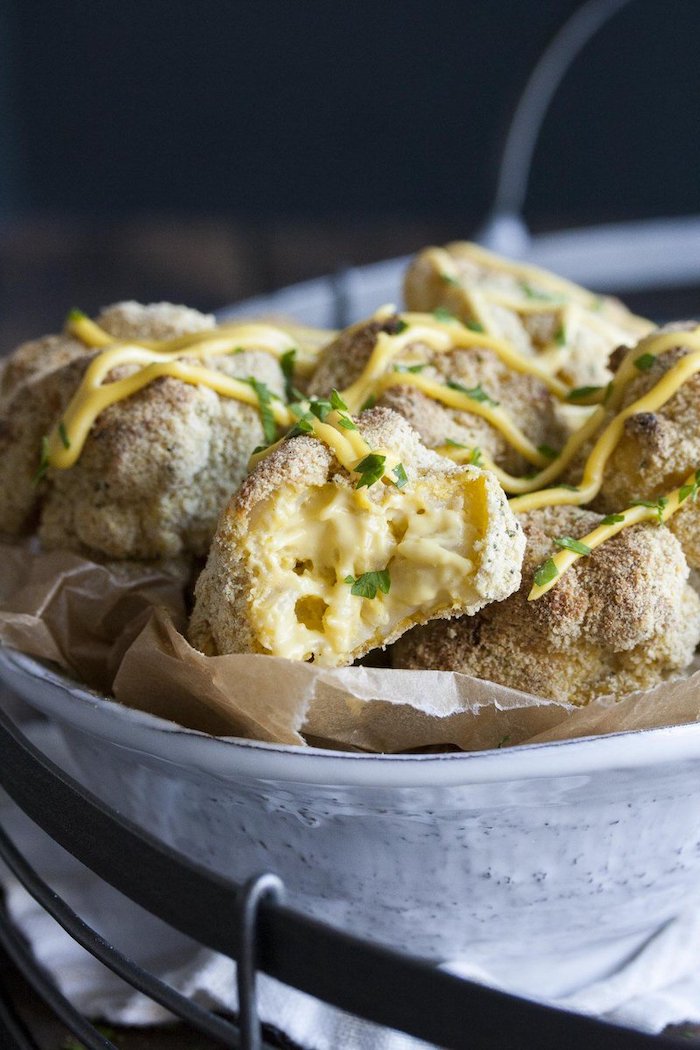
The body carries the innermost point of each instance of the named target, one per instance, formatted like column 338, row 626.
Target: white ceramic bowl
column 546, row 865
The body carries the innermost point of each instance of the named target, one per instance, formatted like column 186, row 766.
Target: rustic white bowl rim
column 64, row 701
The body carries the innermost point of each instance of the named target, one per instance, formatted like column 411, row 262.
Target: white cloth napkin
column 658, row 987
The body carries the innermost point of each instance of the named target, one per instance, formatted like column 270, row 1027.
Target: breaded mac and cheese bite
column 571, row 331
column 125, row 437
column 346, row 534
column 621, row 619
column 457, row 387
column 659, row 446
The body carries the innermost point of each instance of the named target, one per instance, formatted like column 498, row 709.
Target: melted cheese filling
column 302, row 546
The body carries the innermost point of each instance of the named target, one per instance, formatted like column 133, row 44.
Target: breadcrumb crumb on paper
column 116, row 629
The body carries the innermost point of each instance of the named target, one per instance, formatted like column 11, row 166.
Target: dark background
column 308, row 108
column 205, row 151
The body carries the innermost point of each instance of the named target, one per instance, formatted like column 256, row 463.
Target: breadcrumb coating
column 658, row 450
column 621, row 619
column 523, row 397
column 156, row 468
column 301, row 485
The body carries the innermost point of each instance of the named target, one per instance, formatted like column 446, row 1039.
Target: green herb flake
column 303, row 425
column 533, row 293
column 337, row 402
column 287, row 364
column 612, row 519
column 367, row 585
column 399, row 326
column 689, row 490
column 43, row 462
column 455, row 444
column 441, row 313
column 346, row 423
column 370, row 469
column 581, row 392
column 569, row 488
column 413, row 369
column 446, row 278
column 474, row 326
column 503, row 741
column 546, row 573
column 401, row 476
column 476, row 393
column 267, row 417
column 568, row 543
column 475, row 458
column 321, row 409
column 369, row 403
column 658, row 505
column 547, row 451
column 645, row 362
column 63, row 434
column 75, row 315
column 560, row 336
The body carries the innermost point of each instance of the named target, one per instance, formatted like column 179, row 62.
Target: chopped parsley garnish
column 503, row 741
column 689, row 490
column 303, row 425
column 546, row 573
column 321, row 409
column 612, row 519
column 346, row 423
column 645, row 362
column 440, row 313
column 370, row 469
column 475, row 457
column 560, row 336
column 568, row 543
column 449, row 280
column 369, row 403
column 659, row 505
column 476, row 393
column 267, row 417
column 399, row 326
column 474, row 326
column 43, row 462
column 413, row 369
column 547, row 451
column 579, row 392
column 534, row 293
column 367, row 585
column 287, row 363
column 63, row 434
column 401, row 476
column 337, row 402
column 75, row 315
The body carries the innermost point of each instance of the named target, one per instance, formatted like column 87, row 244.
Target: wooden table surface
column 51, row 263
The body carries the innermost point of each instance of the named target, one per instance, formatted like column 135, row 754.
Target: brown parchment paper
column 117, row 627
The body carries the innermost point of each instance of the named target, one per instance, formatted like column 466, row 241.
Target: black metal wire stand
column 263, row 933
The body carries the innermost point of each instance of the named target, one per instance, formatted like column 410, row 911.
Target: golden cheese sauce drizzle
column 67, row 439
column 228, row 337
column 661, row 510
column 604, row 446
